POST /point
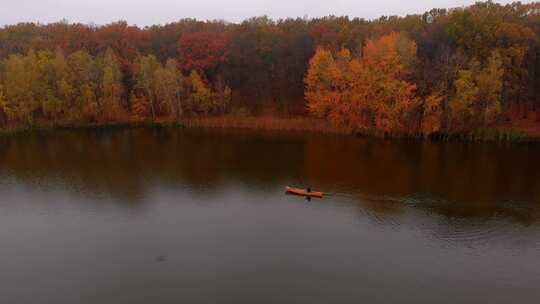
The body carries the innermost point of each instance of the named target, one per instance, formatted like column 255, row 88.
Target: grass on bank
column 487, row 134
column 266, row 123
column 305, row 124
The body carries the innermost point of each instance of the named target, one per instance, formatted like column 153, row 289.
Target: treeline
column 373, row 92
column 47, row 86
column 444, row 70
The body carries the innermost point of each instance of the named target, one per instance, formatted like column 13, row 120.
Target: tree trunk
column 152, row 109
column 536, row 101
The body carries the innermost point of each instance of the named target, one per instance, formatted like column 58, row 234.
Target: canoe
column 303, row 192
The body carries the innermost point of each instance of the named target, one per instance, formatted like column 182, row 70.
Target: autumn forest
column 443, row 71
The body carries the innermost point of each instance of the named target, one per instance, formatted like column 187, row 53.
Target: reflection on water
column 208, row 207
column 452, row 179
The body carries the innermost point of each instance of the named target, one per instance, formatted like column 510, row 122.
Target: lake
column 200, row 216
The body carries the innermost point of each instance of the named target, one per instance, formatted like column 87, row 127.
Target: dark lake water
column 193, row 216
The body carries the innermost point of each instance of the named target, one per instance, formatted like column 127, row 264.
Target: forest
column 443, row 71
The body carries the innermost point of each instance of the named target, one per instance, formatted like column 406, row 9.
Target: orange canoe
column 303, row 192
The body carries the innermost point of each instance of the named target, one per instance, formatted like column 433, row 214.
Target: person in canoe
column 303, row 192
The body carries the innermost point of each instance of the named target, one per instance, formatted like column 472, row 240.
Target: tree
column 21, row 81
column 203, row 50
column 391, row 58
column 490, row 86
column 367, row 93
column 201, row 95
column 324, row 36
column 169, row 87
column 88, row 102
column 432, row 113
column 145, row 80
column 139, row 105
column 203, row 99
column 224, row 97
column 84, row 77
column 4, row 108
column 469, row 66
column 462, row 105
column 478, row 94
column 61, row 88
column 123, row 40
column 320, row 80
column 481, row 28
column 111, row 87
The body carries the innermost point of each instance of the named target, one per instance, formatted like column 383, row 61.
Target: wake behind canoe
column 302, row 192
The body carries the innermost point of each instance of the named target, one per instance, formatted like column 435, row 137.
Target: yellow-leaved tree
column 4, row 108
column 112, row 88
column 169, row 88
column 478, row 94
column 203, row 99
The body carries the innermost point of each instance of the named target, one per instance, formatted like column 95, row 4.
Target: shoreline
column 290, row 124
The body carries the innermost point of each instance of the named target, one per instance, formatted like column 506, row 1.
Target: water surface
column 199, row 216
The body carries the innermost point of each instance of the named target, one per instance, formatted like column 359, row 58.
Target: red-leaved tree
column 203, row 50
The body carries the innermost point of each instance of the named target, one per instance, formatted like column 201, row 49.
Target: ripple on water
column 452, row 224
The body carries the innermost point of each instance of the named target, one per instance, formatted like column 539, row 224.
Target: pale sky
column 148, row 12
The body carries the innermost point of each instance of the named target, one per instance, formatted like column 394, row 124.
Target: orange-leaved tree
column 320, row 80
column 371, row 92
column 390, row 60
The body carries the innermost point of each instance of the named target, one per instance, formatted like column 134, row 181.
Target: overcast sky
column 147, row 12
